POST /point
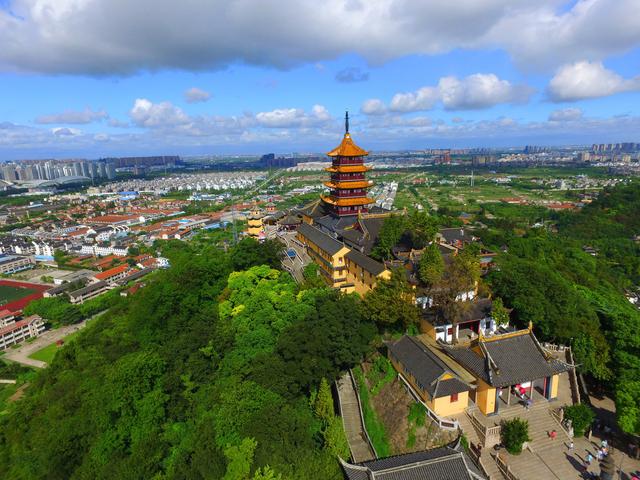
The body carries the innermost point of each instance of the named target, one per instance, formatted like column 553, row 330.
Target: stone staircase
column 488, row 462
column 352, row 420
column 544, row 457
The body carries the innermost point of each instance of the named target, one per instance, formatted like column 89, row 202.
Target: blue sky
column 90, row 78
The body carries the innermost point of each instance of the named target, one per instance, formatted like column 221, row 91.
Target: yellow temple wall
column 486, row 398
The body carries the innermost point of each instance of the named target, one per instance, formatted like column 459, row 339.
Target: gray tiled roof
column 88, row 289
column 368, row 263
column 425, row 367
column 445, row 463
column 322, row 240
column 517, row 359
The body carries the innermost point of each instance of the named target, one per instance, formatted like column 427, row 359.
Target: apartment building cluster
column 36, row 170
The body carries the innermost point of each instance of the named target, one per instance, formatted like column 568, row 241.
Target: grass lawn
column 10, row 294
column 47, row 353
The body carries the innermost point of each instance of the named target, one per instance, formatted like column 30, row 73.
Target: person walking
column 553, row 434
column 527, row 404
column 588, row 459
column 571, row 446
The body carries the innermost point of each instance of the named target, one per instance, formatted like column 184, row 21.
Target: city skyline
column 82, row 80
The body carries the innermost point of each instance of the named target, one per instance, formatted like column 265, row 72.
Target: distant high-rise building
column 9, row 173
column 111, row 171
column 102, row 170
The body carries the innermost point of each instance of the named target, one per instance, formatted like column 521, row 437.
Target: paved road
column 21, row 355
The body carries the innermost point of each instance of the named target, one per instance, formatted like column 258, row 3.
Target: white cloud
column 147, row 114
column 373, row 106
column 73, row 117
column 293, row 117
column 566, row 115
column 196, row 95
column 106, row 37
column 423, row 99
column 478, row 91
column 584, row 79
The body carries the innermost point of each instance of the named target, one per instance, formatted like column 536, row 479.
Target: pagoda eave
column 349, row 184
column 347, row 202
column 348, row 169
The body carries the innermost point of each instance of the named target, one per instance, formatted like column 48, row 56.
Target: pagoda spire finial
column 346, row 121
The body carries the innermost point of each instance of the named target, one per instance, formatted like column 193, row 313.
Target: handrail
column 364, row 426
column 442, row 423
column 573, row 377
column 504, row 468
column 484, row 432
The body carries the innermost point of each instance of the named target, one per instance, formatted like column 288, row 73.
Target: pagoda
column 347, row 185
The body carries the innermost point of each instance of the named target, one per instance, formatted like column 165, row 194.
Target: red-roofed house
column 16, row 332
column 113, row 274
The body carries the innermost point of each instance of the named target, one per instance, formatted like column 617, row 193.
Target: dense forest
column 211, row 371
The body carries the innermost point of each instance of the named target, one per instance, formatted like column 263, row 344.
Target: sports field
column 10, row 293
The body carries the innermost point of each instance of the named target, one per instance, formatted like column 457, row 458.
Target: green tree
column 312, row 279
column 581, row 417
column 266, row 473
column 628, row 404
column 323, row 407
column 431, row 266
column 499, row 312
column 422, row 229
column 335, row 439
column 391, row 303
column 240, row 459
column 390, row 234
column 513, row 434
column 249, row 252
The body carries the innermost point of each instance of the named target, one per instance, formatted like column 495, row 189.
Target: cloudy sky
column 117, row 77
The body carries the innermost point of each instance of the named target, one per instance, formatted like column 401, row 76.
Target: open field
column 47, row 353
column 10, row 293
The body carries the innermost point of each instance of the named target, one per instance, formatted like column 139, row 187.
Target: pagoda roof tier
column 347, row 202
column 348, row 168
column 349, row 184
column 347, row 149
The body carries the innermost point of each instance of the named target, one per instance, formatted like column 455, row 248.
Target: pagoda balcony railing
column 348, row 161
column 347, row 176
column 347, row 194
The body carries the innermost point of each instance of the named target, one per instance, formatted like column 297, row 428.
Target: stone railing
column 552, row 347
column 489, row 436
column 504, row 468
column 573, row 378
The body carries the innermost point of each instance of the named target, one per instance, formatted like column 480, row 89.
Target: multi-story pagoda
column 348, row 185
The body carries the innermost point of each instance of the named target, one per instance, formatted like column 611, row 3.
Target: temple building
column 508, row 368
column 255, row 226
column 338, row 230
column 442, row 463
column 348, row 184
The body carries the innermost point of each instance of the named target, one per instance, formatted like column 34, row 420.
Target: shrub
column 513, row 435
column 581, row 417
